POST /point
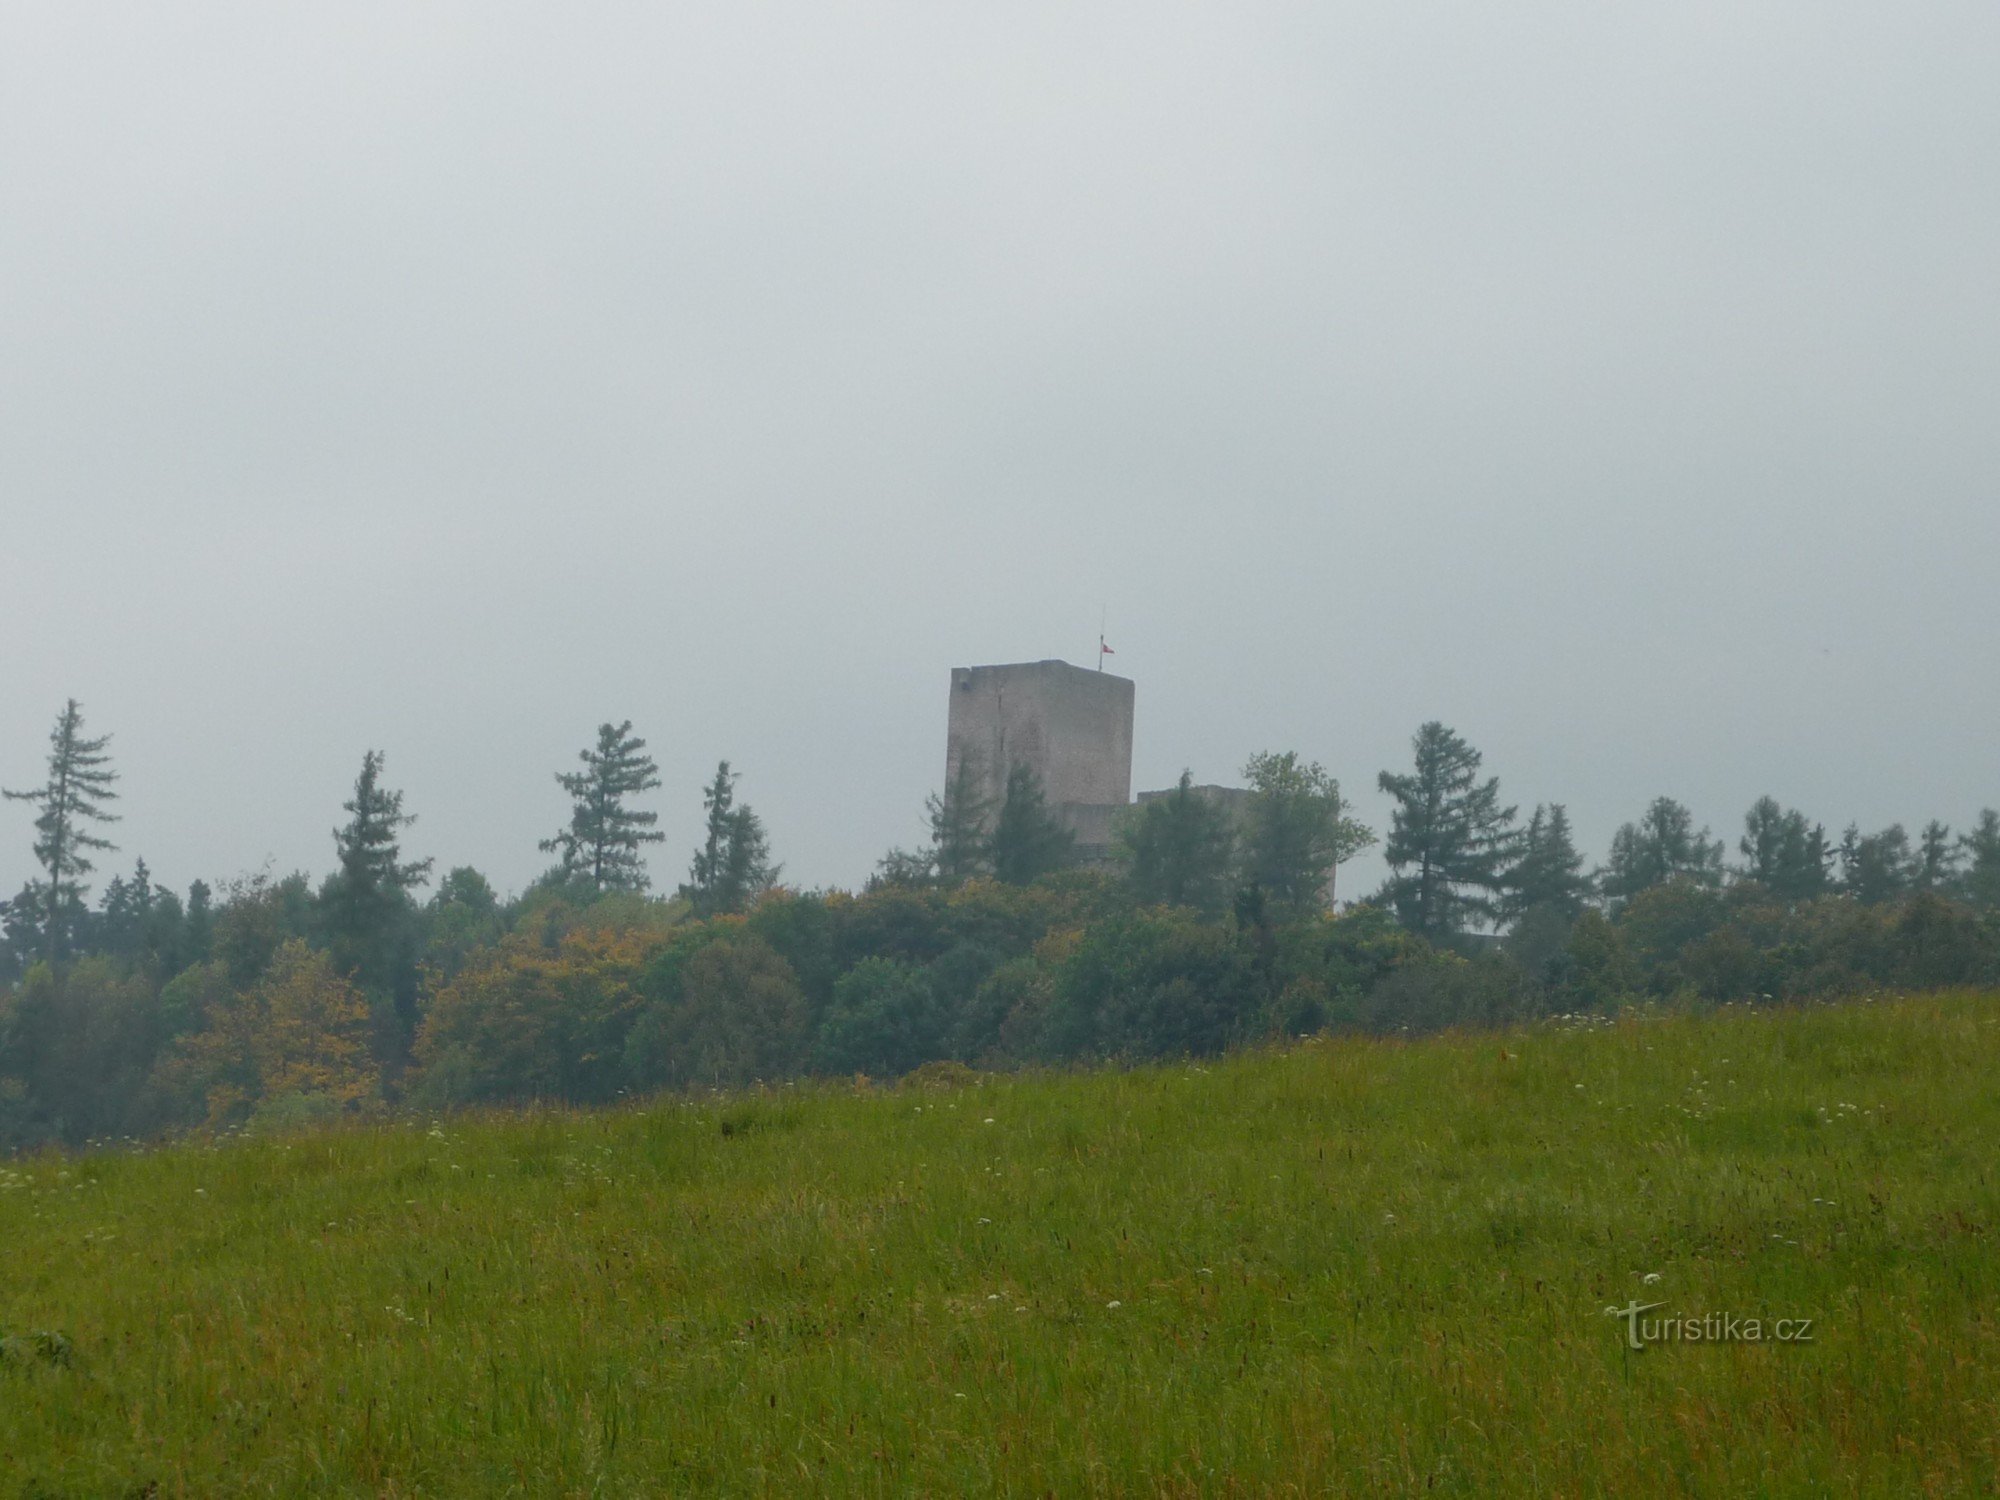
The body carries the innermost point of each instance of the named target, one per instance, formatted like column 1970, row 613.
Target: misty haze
column 846, row 748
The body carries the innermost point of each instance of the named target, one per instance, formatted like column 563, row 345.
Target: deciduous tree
column 301, row 1031
column 1297, row 831
column 726, row 1010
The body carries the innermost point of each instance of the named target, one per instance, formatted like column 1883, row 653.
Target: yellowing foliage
column 537, row 1021
column 300, row 1031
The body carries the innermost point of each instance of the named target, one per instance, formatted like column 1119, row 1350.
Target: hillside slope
column 1350, row 1266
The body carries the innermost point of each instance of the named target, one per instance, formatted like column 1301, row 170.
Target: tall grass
column 1353, row 1267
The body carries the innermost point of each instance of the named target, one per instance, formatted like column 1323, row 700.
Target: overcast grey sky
column 1619, row 384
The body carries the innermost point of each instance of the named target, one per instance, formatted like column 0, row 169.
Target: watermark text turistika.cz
column 1707, row 1328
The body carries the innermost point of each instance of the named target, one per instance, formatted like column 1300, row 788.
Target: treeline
column 275, row 999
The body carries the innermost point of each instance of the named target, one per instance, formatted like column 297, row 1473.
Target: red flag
column 1104, row 650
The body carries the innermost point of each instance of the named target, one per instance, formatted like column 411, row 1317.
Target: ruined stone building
column 1071, row 727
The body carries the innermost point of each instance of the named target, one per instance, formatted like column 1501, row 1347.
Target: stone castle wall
column 1071, row 727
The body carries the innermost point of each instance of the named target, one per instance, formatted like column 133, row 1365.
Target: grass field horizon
column 1344, row 1266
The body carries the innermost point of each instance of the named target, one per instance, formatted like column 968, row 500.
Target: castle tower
column 1071, row 727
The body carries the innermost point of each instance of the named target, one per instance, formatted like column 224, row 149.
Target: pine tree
column 1297, row 831
column 1548, row 874
column 1027, row 841
column 601, row 845
column 70, row 800
column 733, row 866
column 1662, row 846
column 1178, row 849
column 1450, row 841
column 958, row 825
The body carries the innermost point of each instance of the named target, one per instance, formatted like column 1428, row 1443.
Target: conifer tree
column 1548, row 874
column 127, row 909
column 1663, row 845
column 958, row 825
column 1979, row 883
column 1783, row 852
column 903, row 869
column 1938, row 856
column 1178, row 850
column 20, row 933
column 370, row 915
column 70, row 801
column 601, row 845
column 1450, row 841
column 733, row 866
column 368, row 845
column 1027, row 841
column 1876, row 867
column 198, row 933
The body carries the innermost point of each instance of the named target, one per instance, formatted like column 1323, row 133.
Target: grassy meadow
column 1355, row 1267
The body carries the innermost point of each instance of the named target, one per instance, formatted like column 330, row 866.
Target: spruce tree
column 903, row 869
column 1979, row 882
column 1548, row 874
column 958, row 825
column 733, row 866
column 601, row 845
column 198, row 932
column 1783, row 852
column 1450, row 842
column 127, row 913
column 1938, row 856
column 369, row 912
column 1662, row 846
column 1296, row 832
column 1178, row 849
column 1027, row 841
column 1876, row 867
column 70, row 801
column 20, row 933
